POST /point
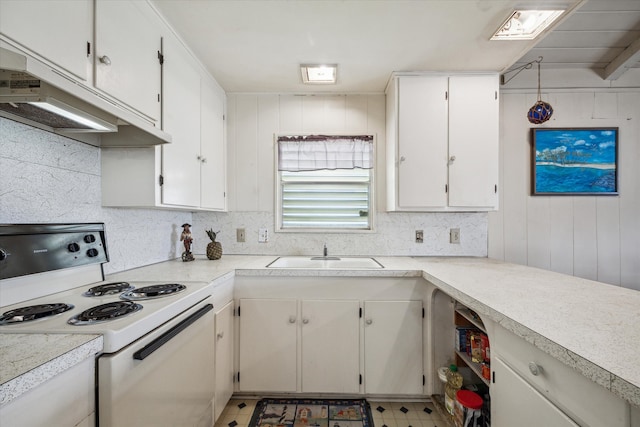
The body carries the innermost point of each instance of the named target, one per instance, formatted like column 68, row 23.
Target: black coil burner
column 108, row 289
column 105, row 312
column 153, row 291
column 33, row 312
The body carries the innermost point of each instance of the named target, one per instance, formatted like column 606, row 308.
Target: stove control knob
column 3, row 255
column 92, row 252
column 89, row 238
column 73, row 247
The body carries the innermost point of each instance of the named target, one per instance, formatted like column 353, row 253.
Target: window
column 325, row 183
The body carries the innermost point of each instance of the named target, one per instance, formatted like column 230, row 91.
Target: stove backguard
column 37, row 248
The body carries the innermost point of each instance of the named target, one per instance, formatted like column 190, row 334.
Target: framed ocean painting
column 574, row 161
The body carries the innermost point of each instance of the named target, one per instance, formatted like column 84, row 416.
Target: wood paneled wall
column 254, row 119
column 596, row 238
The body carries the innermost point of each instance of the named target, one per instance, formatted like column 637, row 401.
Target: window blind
column 336, row 199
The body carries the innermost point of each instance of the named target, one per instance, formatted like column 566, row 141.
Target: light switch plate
column 454, row 235
column 263, row 235
column 240, row 235
column 419, row 236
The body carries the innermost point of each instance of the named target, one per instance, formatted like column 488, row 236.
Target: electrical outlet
column 240, row 235
column 454, row 235
column 419, row 236
column 263, row 235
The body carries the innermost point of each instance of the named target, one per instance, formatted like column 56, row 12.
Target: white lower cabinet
column 268, row 351
column 330, row 346
column 66, row 400
column 223, row 358
column 326, row 332
column 320, row 345
column 551, row 390
column 393, row 347
column 515, row 403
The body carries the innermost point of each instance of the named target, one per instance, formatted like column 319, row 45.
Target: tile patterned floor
column 238, row 413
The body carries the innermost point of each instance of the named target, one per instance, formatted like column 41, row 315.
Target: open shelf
column 466, row 313
column 475, row 367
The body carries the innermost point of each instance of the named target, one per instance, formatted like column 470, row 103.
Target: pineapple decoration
column 214, row 249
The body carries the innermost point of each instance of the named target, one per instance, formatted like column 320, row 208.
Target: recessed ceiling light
column 319, row 73
column 526, row 24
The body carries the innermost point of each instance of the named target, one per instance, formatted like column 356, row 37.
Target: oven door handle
column 164, row 338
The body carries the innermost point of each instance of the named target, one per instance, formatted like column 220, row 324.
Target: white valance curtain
column 317, row 152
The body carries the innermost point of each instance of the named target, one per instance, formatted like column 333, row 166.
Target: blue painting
column 578, row 161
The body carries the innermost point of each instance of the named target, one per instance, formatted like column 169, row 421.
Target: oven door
column 165, row 378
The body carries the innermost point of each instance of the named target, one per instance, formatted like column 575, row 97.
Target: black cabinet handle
column 164, row 338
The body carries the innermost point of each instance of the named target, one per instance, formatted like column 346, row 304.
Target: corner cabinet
column 442, row 142
column 189, row 173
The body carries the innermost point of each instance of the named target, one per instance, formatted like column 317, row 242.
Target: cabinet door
column 212, row 147
column 330, row 346
column 393, row 347
column 473, row 140
column 67, row 26
column 515, row 403
column 128, row 33
column 268, row 345
column 181, row 119
column 224, row 358
column 422, row 142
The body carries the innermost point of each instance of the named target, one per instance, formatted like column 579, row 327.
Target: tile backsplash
column 50, row 178
column 394, row 235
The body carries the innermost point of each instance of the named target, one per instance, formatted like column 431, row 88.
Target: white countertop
column 590, row 326
column 28, row 360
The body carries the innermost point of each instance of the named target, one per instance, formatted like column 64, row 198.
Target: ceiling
column 258, row 45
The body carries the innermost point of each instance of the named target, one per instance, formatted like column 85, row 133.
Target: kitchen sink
column 325, row 262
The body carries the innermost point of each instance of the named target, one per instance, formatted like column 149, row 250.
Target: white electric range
column 158, row 336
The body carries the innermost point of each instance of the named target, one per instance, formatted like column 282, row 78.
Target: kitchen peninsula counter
column 589, row 326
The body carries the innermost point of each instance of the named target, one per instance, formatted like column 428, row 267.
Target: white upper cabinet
column 190, row 172
column 127, row 66
column 473, row 141
column 193, row 166
column 181, row 119
column 213, row 153
column 442, row 142
column 58, row 31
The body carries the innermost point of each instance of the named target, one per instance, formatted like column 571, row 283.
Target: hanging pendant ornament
column 541, row 111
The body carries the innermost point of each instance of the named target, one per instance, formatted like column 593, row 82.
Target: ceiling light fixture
column 526, row 24
column 319, row 73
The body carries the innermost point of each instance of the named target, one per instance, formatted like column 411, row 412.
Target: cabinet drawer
column 586, row 402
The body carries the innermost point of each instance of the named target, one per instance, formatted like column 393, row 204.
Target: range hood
column 36, row 101
column 35, row 94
